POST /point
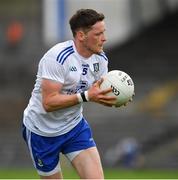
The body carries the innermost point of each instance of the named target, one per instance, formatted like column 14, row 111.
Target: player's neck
column 82, row 51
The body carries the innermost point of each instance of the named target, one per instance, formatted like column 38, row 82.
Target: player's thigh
column 88, row 164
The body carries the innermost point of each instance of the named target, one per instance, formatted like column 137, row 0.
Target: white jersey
column 62, row 64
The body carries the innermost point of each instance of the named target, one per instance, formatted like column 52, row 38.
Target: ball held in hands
column 121, row 84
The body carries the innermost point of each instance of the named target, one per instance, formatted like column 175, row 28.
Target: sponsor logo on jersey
column 85, row 65
column 81, row 86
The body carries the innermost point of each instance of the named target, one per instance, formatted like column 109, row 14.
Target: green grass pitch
column 109, row 174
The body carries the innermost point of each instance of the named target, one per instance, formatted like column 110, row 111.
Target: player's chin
column 99, row 50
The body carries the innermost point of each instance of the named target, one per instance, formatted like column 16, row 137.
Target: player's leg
column 57, row 175
column 82, row 152
column 44, row 152
column 88, row 164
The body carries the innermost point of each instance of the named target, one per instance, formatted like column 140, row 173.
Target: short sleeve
column 104, row 64
column 104, row 70
column 51, row 69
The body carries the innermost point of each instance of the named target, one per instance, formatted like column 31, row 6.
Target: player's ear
column 81, row 35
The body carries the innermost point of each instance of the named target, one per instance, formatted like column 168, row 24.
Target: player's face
column 95, row 38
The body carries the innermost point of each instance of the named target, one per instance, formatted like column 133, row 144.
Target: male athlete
column 69, row 74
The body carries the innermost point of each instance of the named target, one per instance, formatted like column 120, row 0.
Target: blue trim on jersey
column 103, row 55
column 63, row 57
column 71, row 52
column 64, row 54
column 63, row 51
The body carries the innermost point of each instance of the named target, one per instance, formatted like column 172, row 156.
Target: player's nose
column 103, row 38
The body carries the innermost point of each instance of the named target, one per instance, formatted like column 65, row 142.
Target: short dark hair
column 84, row 19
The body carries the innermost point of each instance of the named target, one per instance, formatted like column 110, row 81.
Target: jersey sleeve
column 104, row 64
column 104, row 70
column 51, row 69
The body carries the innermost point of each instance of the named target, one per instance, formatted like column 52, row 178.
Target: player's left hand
column 97, row 95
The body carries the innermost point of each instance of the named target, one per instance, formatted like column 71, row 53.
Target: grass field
column 109, row 174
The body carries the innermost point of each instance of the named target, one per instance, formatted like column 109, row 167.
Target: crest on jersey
column 96, row 67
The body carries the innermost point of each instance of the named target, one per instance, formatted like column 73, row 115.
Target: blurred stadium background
column 142, row 41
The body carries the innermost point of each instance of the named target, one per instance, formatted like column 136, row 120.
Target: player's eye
column 98, row 34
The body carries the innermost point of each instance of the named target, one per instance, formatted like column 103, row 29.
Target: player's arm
column 52, row 99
